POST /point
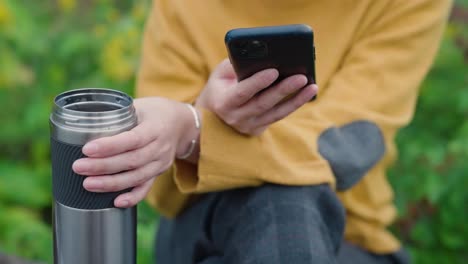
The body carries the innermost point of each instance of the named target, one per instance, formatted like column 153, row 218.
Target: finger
column 107, row 146
column 124, row 180
column 286, row 108
column 247, row 88
column 225, row 70
column 121, row 162
column 273, row 95
column 138, row 193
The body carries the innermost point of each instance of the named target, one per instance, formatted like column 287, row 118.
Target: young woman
column 242, row 177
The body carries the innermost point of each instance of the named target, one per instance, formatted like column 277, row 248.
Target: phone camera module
column 252, row 49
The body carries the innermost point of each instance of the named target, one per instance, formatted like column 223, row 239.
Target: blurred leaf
column 22, row 231
column 21, row 185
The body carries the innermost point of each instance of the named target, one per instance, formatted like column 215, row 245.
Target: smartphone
column 289, row 49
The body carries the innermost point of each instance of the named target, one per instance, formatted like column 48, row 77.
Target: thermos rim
column 84, row 91
column 80, row 115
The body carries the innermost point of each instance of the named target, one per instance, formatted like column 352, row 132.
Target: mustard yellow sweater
column 371, row 58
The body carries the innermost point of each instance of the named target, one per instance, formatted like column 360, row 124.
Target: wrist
column 190, row 119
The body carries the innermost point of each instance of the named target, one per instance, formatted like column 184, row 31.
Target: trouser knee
column 300, row 209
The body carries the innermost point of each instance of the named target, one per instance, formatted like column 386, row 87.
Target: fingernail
column 273, row 73
column 303, row 80
column 313, row 89
column 276, row 73
column 90, row 149
column 80, row 166
column 94, row 184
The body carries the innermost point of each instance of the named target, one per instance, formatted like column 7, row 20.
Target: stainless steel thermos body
column 87, row 227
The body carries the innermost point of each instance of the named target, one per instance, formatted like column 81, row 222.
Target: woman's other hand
column 134, row 158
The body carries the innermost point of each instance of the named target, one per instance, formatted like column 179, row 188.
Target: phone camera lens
column 255, row 44
column 257, row 49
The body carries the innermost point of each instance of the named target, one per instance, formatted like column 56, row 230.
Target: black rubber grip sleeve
column 67, row 186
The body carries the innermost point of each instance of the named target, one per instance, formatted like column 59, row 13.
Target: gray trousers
column 271, row 224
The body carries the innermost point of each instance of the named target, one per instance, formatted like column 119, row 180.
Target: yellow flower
column 99, row 30
column 140, row 10
column 114, row 60
column 67, row 5
column 133, row 33
column 5, row 14
column 112, row 15
column 451, row 30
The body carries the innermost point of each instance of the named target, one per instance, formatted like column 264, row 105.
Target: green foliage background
column 47, row 47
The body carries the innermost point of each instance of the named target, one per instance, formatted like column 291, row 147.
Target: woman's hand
column 240, row 105
column 134, row 158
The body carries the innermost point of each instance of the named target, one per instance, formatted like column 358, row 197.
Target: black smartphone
column 289, row 49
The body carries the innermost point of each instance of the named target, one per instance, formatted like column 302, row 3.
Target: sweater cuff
column 164, row 187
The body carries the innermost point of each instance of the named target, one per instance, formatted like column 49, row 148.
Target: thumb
column 224, row 70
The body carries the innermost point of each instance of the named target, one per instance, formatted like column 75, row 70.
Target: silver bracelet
column 197, row 125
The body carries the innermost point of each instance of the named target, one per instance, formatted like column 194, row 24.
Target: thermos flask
column 88, row 229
